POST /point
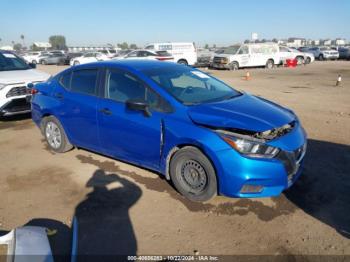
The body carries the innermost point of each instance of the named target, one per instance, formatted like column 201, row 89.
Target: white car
column 247, row 55
column 148, row 55
column 183, row 53
column 89, row 58
column 15, row 75
column 109, row 52
column 34, row 57
column 324, row 53
column 291, row 53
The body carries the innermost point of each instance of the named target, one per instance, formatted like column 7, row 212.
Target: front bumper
column 16, row 106
column 330, row 56
column 272, row 176
column 220, row 65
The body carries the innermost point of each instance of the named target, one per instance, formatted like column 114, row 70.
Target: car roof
column 139, row 65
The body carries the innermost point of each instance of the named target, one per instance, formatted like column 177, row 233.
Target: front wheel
column 55, row 135
column 234, row 66
column 182, row 62
column 269, row 64
column 308, row 60
column 193, row 174
column 300, row 60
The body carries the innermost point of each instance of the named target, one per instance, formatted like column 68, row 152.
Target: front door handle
column 105, row 111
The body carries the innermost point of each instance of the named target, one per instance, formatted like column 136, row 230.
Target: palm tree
column 22, row 37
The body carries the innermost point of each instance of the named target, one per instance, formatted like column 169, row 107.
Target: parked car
column 89, row 58
column 33, row 57
column 108, row 52
column 324, row 53
column 15, row 74
column 247, row 55
column 122, row 53
column 52, row 59
column 205, row 136
column 149, row 55
column 344, row 53
column 69, row 56
column 183, row 53
column 292, row 53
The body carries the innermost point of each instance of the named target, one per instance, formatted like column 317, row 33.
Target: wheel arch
column 206, row 152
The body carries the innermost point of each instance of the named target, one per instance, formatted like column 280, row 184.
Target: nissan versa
column 203, row 135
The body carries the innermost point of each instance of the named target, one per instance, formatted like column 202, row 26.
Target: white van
column 248, row 55
column 183, row 53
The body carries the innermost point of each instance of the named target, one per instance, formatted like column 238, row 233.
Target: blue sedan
column 200, row 133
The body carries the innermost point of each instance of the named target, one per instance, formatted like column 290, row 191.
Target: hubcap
column 193, row 176
column 53, row 135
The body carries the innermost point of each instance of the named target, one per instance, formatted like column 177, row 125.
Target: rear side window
column 65, row 80
column 84, row 81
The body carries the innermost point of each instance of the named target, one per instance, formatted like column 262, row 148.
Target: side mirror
column 32, row 65
column 138, row 105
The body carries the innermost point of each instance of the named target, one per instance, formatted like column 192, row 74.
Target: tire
column 43, row 62
column 308, row 60
column 55, row 135
column 193, row 175
column 269, row 64
column 300, row 60
column 34, row 62
column 76, row 63
column 234, row 66
column 320, row 57
column 182, row 62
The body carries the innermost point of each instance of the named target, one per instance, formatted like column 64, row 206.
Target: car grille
column 219, row 60
column 292, row 160
column 18, row 91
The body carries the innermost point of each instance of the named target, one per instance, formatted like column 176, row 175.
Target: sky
column 220, row 22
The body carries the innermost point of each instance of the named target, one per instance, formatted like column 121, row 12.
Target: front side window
column 84, row 81
column 244, row 50
column 232, row 50
column 133, row 54
column 191, row 86
column 122, row 86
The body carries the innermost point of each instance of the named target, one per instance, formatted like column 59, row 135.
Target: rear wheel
column 55, row 135
column 308, row 60
column 43, row 62
column 34, row 62
column 193, row 174
column 269, row 64
column 234, row 66
column 182, row 62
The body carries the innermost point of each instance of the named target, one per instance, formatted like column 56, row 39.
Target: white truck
column 15, row 75
column 247, row 55
column 183, row 53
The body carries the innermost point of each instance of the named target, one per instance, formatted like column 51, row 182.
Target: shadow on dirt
column 323, row 190
column 16, row 122
column 232, row 207
column 105, row 231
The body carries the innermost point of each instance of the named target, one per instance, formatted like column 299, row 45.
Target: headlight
column 248, row 146
column 2, row 86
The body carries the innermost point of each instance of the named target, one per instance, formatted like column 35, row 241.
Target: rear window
column 84, row 81
column 163, row 53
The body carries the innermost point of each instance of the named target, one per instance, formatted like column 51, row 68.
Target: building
column 7, row 48
column 326, row 42
column 339, row 42
column 41, row 46
column 296, row 42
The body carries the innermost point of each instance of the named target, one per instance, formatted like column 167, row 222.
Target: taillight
column 160, row 58
column 33, row 91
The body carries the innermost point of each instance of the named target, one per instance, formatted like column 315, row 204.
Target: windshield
column 190, row 86
column 232, row 50
column 10, row 62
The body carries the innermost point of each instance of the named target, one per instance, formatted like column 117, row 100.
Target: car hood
column 22, row 76
column 245, row 112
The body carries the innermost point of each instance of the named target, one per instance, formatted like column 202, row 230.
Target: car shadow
column 323, row 190
column 15, row 117
column 104, row 229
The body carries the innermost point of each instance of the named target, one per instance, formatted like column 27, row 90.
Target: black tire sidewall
column 234, row 66
column 65, row 145
column 195, row 154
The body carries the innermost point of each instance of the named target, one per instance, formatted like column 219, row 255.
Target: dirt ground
column 122, row 208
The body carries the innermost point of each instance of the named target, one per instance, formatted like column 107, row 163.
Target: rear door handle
column 105, row 111
column 58, row 95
